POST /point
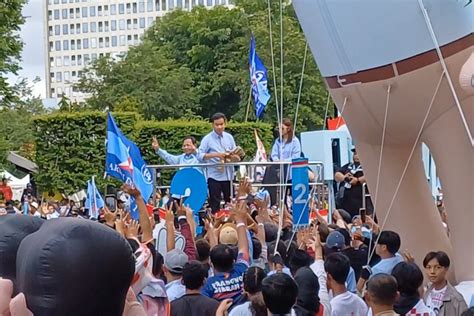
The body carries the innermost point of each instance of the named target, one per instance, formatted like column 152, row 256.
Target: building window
column 59, row 62
column 50, row 15
column 56, row 14
column 114, row 41
column 99, row 10
column 64, row 15
column 93, row 27
column 141, row 7
column 209, row 3
column 57, row 30
column 106, row 26
column 129, row 24
column 149, row 5
column 85, row 27
column 142, row 23
column 122, row 24
column 65, row 45
column 85, row 43
column 65, row 29
column 84, row 12
column 56, row 1
column 92, row 11
column 73, row 45
column 135, row 24
column 86, row 62
column 63, row 1
column 78, row 13
column 106, row 10
column 71, row 28
column 134, row 7
column 129, row 8
column 135, row 39
column 79, row 44
column 170, row 4
column 107, row 41
column 150, row 21
column 79, row 60
column 51, row 46
column 51, row 75
column 51, row 61
column 113, row 25
column 121, row 8
column 122, row 40
column 73, row 60
column 129, row 40
column 66, row 60
column 101, row 42
column 93, row 56
column 57, row 45
column 113, row 9
column 59, row 77
column 78, row 28
column 101, row 27
column 93, row 42
column 179, row 4
column 66, row 76
column 163, row 5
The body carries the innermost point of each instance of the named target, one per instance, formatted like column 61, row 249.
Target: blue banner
column 258, row 80
column 124, row 161
column 300, row 192
column 94, row 200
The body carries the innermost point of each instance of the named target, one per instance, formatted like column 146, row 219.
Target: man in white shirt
column 173, row 268
column 344, row 303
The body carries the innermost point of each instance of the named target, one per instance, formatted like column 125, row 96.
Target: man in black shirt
column 351, row 178
column 193, row 303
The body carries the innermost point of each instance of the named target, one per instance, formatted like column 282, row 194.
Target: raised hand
column 244, row 187
column 154, row 144
column 109, row 217
column 133, row 227
column 133, row 191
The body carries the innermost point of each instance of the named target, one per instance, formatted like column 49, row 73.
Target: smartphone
column 111, row 202
column 363, row 213
column 202, row 216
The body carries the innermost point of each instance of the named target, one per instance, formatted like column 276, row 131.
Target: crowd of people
column 251, row 260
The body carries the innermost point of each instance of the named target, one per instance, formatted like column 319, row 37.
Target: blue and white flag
column 94, row 201
column 300, row 192
column 258, row 80
column 124, row 161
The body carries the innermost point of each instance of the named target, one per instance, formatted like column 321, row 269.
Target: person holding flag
column 124, row 161
column 258, row 80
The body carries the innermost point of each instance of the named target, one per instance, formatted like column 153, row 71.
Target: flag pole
column 248, row 104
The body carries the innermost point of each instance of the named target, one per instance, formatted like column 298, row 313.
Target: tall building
column 80, row 31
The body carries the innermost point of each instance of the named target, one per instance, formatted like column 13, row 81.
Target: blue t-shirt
column 229, row 284
column 386, row 265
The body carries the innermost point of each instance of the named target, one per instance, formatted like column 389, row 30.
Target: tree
column 16, row 129
column 161, row 87
column 10, row 44
column 212, row 47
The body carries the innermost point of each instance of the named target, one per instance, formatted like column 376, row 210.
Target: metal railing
column 316, row 167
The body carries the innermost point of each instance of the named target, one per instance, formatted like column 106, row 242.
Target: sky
column 32, row 35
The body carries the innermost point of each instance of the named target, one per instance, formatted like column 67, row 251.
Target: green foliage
column 10, row 44
column 146, row 77
column 71, row 146
column 197, row 62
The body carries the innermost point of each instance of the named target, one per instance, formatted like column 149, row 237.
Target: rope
column 407, row 163
column 326, row 112
column 280, row 219
column 445, row 69
column 273, row 59
column 380, row 165
column 301, row 88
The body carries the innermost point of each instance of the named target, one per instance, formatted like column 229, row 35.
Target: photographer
column 351, row 178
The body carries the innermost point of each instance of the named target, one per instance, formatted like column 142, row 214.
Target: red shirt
column 7, row 192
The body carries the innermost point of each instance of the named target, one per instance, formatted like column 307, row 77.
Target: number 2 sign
column 300, row 192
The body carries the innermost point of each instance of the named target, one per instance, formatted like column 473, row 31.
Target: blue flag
column 124, row 161
column 258, row 80
column 94, row 200
column 300, row 192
